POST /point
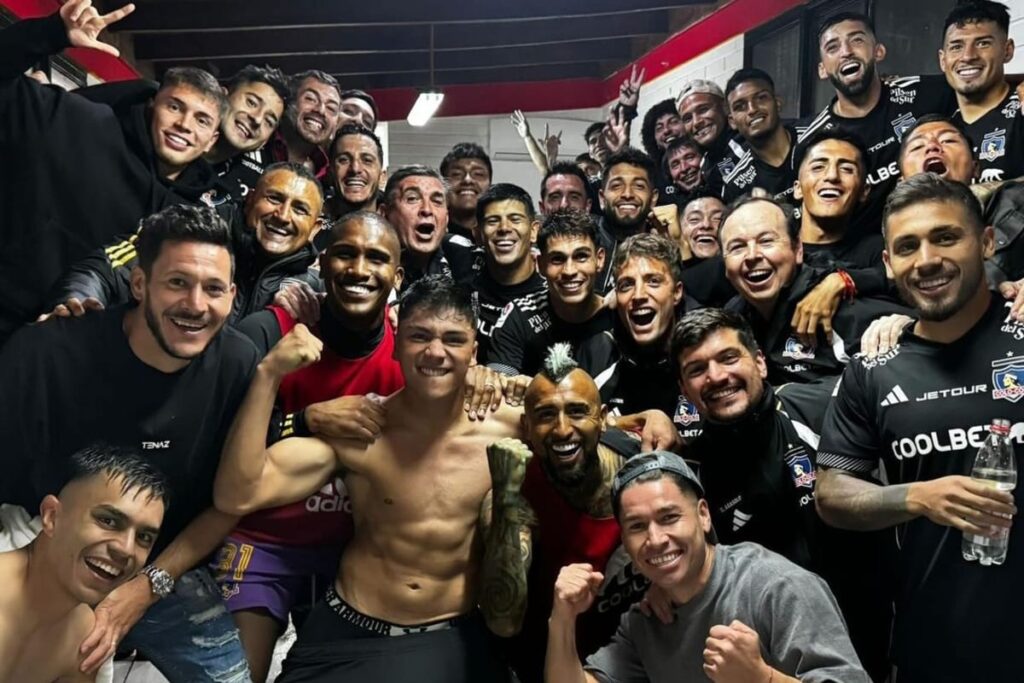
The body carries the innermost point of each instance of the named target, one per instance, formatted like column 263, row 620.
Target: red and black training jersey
column 323, row 518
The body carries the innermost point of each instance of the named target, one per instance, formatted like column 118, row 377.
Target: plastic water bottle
column 994, row 465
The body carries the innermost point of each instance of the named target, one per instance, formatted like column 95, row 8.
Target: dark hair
column 502, row 192
column 748, row 74
column 357, row 94
column 841, row 134
column 596, row 126
column 135, row 471
column 466, row 150
column 181, row 223
column 275, row 78
column 976, row 11
column 565, row 168
column 678, row 143
column 928, row 187
column 654, row 475
column 356, row 129
column 698, row 325
column 371, row 217
column 935, row 118
column 436, row 294
column 298, row 169
column 839, row 18
column 585, row 158
column 788, row 212
column 566, row 223
column 633, row 157
column 698, row 193
column 659, row 109
column 650, row 246
column 199, row 80
column 413, row 170
column 327, row 79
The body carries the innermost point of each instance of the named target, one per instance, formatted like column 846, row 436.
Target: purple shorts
column 276, row 578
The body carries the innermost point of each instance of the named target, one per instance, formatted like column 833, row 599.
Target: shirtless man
column 403, row 606
column 97, row 533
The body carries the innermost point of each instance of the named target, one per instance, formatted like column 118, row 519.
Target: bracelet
column 849, row 289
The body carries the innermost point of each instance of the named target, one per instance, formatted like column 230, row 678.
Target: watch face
column 161, row 582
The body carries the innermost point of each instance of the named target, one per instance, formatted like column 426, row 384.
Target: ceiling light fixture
column 429, row 100
column 425, row 106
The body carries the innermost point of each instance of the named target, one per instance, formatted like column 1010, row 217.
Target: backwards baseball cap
column 699, row 86
column 663, row 461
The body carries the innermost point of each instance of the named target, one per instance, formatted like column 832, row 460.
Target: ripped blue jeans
column 190, row 636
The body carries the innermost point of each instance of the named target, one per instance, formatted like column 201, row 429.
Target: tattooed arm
column 506, row 518
column 847, row 502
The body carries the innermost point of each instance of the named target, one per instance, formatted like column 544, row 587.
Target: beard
column 938, row 311
column 858, row 87
column 572, row 476
column 154, row 327
column 628, row 224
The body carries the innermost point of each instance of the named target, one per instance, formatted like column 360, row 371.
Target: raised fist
column 575, row 590
column 507, row 460
column 295, row 350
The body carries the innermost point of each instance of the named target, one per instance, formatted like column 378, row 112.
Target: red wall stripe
column 102, row 65
column 724, row 23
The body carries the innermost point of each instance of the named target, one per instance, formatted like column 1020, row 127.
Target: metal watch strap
column 159, row 580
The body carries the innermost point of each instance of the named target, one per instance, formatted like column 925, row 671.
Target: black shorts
column 337, row 643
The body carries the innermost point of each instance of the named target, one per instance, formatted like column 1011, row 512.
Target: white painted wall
column 1017, row 33
column 511, row 162
column 717, row 64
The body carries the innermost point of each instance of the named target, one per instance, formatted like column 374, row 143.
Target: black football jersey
column 922, row 411
column 998, row 139
column 902, row 103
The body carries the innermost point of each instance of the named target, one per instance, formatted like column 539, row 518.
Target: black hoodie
column 75, row 173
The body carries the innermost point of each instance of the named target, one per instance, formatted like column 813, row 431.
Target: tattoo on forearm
column 852, row 503
column 506, row 560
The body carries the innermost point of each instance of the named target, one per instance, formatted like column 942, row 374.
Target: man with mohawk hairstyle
column 559, row 509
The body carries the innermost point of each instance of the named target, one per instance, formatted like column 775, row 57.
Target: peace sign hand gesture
column 629, row 91
column 84, row 23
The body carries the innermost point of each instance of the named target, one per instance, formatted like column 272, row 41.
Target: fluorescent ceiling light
column 426, row 104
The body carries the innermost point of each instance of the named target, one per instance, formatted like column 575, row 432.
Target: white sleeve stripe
column 740, row 165
column 805, row 433
column 504, row 369
column 813, row 125
column 603, row 378
column 843, row 462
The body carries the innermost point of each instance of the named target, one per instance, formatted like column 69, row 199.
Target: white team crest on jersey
column 993, row 145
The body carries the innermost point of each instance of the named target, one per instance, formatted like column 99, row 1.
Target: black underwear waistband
column 387, row 628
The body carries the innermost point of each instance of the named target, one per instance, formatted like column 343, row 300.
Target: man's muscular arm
column 251, row 476
column 506, row 517
column 847, row 502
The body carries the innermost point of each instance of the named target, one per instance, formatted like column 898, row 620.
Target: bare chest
column 42, row 657
column 408, row 479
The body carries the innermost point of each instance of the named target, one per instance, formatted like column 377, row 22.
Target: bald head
column 578, row 380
